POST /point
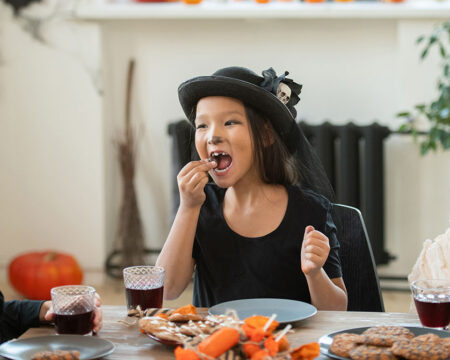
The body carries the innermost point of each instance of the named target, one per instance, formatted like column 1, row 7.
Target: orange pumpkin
column 34, row 274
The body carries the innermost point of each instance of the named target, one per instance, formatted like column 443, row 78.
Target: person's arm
column 326, row 293
column 176, row 255
column 16, row 317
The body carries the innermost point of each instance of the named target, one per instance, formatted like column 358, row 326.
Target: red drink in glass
column 432, row 300
column 145, row 298
column 144, row 286
column 74, row 307
column 74, row 324
column 433, row 314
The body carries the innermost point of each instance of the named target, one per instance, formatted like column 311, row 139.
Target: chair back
column 358, row 264
column 182, row 152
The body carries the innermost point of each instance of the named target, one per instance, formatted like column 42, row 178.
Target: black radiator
column 353, row 159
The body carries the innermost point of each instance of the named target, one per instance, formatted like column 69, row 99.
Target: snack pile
column 56, row 355
column 224, row 337
column 390, row 342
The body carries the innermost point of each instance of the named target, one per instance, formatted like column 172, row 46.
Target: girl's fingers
column 316, row 235
column 201, row 184
column 197, row 166
column 192, row 178
column 311, row 249
column 197, row 178
column 317, row 242
column 98, row 300
column 98, row 319
column 317, row 260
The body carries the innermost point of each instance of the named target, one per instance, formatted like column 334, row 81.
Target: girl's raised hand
column 192, row 180
column 315, row 250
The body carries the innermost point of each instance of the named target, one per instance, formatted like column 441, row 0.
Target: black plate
column 90, row 347
column 326, row 340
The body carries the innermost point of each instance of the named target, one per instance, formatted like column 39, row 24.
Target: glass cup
column 74, row 307
column 432, row 300
column 144, row 287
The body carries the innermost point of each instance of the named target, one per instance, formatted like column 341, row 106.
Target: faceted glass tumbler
column 144, row 287
column 432, row 300
column 74, row 307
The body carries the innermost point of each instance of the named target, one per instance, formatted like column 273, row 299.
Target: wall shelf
column 273, row 10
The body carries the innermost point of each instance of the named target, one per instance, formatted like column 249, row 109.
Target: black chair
column 358, row 265
column 357, row 261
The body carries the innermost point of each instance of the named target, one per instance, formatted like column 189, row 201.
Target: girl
column 259, row 231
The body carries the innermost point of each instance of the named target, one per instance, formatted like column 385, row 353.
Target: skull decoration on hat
column 286, row 90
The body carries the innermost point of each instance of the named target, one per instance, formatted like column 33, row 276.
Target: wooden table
column 131, row 344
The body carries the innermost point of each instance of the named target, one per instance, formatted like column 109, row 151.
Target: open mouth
column 222, row 159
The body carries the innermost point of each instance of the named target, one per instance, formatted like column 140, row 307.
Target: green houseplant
column 438, row 111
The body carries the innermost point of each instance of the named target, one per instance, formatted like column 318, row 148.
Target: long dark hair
column 275, row 164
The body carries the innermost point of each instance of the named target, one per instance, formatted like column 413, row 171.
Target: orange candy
column 219, row 342
column 250, row 349
column 260, row 355
column 306, row 352
column 254, row 334
column 259, row 321
column 183, row 354
column 283, row 344
column 271, row 345
column 186, row 309
column 163, row 316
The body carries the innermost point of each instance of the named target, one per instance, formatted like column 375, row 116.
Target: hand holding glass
column 432, row 300
column 74, row 307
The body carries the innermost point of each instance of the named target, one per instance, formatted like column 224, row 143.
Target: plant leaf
column 442, row 50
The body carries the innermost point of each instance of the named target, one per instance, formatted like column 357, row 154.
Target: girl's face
column 223, row 134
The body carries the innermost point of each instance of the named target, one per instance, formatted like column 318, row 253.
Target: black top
column 230, row 266
column 16, row 317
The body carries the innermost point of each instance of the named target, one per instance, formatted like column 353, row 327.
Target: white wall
column 54, row 149
column 51, row 160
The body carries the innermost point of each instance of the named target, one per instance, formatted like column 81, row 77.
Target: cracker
column 390, row 330
column 421, row 350
column 343, row 343
column 370, row 352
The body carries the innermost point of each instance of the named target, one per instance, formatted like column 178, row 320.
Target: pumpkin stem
column 50, row 256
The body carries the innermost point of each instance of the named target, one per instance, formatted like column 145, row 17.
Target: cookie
column 379, row 340
column 370, row 352
column 446, row 342
column 343, row 343
column 185, row 317
column 155, row 323
column 389, row 331
column 428, row 338
column 56, row 355
column 421, row 350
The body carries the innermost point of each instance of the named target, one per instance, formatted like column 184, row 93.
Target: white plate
column 90, row 347
column 287, row 310
column 326, row 340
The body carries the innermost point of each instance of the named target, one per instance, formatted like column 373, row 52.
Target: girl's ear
column 269, row 137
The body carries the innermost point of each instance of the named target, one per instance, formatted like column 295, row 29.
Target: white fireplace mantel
column 273, row 10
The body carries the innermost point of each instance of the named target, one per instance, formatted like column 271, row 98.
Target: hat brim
column 191, row 91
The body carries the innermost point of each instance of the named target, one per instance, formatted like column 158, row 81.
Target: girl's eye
column 200, row 126
column 232, row 122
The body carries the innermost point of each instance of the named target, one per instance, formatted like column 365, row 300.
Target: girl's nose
column 214, row 140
